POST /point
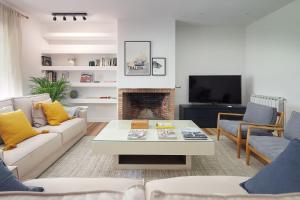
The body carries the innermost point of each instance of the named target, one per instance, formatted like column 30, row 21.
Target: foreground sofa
column 34, row 155
column 187, row 188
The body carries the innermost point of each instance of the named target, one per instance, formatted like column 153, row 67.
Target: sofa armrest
column 82, row 114
column 14, row 170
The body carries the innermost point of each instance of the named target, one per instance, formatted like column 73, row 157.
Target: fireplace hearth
column 146, row 104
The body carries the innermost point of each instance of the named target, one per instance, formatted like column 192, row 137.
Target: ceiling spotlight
column 74, row 18
column 54, row 18
column 84, row 18
column 64, row 18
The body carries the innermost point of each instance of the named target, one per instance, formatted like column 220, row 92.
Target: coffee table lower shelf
column 174, row 162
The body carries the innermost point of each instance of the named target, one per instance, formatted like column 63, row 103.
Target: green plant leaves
column 56, row 90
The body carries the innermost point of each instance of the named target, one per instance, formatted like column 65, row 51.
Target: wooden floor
column 95, row 128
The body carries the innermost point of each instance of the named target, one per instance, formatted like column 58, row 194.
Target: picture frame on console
column 137, row 58
column 159, row 66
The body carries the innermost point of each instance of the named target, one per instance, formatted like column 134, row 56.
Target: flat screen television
column 215, row 89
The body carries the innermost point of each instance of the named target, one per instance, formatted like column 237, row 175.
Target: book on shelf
column 166, row 134
column 164, row 125
column 193, row 134
column 106, row 61
column 137, row 134
column 51, row 76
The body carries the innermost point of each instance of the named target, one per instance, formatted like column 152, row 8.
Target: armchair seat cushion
column 270, row 146
column 232, row 127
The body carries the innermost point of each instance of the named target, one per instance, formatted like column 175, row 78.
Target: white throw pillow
column 38, row 117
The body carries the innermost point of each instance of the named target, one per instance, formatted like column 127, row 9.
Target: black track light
column 64, row 15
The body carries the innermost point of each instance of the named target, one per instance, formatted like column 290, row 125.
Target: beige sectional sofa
column 178, row 188
column 36, row 154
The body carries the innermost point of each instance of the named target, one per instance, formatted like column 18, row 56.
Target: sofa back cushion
column 6, row 106
column 25, row 103
column 260, row 114
column 157, row 195
column 292, row 128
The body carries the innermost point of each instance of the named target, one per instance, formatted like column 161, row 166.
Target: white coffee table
column 152, row 152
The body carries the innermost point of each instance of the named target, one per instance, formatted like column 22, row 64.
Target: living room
column 149, row 99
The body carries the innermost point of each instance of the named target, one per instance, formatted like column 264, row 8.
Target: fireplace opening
column 146, row 104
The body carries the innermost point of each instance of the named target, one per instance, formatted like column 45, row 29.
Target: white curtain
column 10, row 53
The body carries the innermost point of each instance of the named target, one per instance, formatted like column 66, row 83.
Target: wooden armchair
column 237, row 130
column 268, row 148
column 252, row 149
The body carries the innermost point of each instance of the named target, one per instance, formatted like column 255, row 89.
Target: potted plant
column 56, row 90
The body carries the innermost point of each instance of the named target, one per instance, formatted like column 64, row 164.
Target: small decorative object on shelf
column 139, row 124
column 107, row 97
column 72, row 61
column 137, row 134
column 159, row 66
column 166, row 134
column 92, row 63
column 46, row 61
column 74, row 94
column 97, row 62
column 87, row 77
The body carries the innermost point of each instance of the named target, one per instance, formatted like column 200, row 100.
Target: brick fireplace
column 144, row 103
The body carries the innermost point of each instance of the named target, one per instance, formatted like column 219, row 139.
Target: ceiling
column 204, row 12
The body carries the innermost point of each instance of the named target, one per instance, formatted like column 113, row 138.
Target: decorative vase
column 73, row 94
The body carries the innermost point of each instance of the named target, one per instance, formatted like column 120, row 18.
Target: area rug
column 81, row 161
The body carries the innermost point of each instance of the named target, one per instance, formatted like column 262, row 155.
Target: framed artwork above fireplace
column 137, row 58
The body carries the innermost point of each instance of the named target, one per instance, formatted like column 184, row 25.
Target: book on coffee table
column 137, row 134
column 193, row 134
column 166, row 134
column 164, row 125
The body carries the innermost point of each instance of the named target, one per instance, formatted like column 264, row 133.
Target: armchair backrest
column 292, row 128
column 260, row 114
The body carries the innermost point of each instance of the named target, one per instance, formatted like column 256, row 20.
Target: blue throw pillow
column 281, row 176
column 8, row 182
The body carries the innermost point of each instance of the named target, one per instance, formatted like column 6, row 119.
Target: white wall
column 32, row 45
column 273, row 55
column 161, row 33
column 204, row 50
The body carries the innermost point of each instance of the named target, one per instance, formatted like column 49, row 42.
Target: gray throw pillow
column 292, row 128
column 8, row 182
column 281, row 176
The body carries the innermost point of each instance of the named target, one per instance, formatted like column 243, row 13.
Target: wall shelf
column 92, row 101
column 101, row 84
column 79, row 68
column 71, row 36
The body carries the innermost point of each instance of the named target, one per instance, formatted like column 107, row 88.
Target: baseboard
column 100, row 119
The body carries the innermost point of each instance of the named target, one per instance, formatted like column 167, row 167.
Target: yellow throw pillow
column 15, row 128
column 55, row 113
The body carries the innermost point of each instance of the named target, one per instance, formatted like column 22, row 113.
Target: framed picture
column 159, row 66
column 137, row 58
column 46, row 61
